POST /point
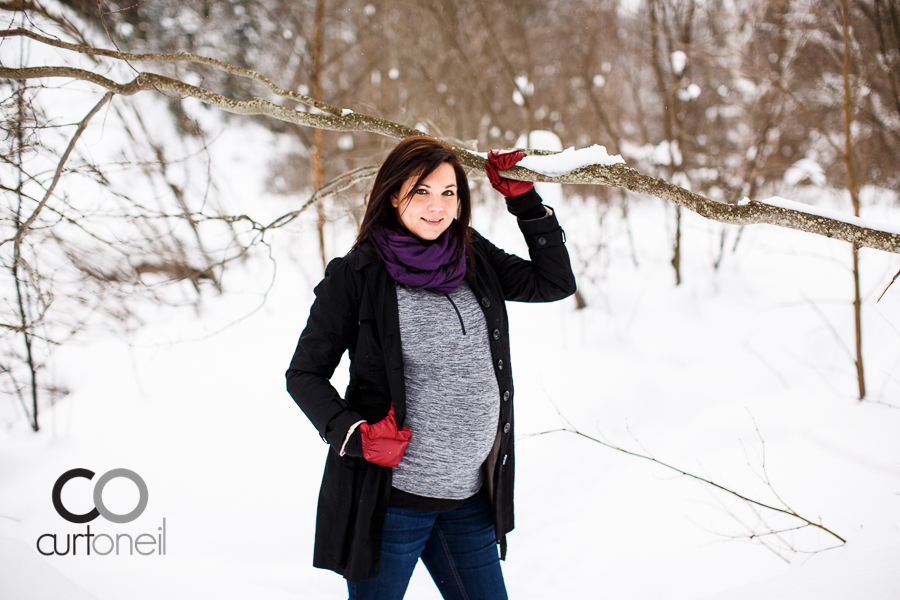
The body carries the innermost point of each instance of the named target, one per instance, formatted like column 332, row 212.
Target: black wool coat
column 356, row 310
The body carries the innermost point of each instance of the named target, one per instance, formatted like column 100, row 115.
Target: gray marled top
column 452, row 398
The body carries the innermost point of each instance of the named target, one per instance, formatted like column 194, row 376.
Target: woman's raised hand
column 499, row 160
column 382, row 443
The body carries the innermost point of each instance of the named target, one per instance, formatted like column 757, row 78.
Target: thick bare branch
column 613, row 176
column 257, row 106
column 747, row 214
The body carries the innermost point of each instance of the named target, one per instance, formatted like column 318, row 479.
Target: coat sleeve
column 547, row 276
column 330, row 331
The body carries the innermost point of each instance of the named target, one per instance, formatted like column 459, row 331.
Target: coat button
column 504, row 460
column 485, row 302
column 542, row 241
column 506, row 428
column 506, row 395
column 500, row 364
column 496, row 334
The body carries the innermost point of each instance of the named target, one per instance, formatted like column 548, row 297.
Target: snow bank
column 25, row 576
column 834, row 575
column 234, row 466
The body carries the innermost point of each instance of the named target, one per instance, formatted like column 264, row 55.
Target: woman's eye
column 448, row 192
column 421, row 191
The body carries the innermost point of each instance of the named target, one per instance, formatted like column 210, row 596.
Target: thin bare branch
column 785, row 511
column 890, row 283
column 177, row 57
column 59, row 168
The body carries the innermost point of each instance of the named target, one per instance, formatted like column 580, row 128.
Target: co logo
column 99, row 507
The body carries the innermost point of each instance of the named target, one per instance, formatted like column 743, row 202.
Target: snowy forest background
column 150, row 308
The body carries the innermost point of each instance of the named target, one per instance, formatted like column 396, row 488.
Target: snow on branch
column 600, row 172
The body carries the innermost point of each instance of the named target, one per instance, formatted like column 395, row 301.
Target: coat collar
column 365, row 255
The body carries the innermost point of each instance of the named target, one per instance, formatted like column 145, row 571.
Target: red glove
column 501, row 161
column 382, row 443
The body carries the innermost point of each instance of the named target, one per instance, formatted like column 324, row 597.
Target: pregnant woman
column 421, row 460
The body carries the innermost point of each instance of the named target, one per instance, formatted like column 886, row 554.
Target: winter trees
column 724, row 102
column 81, row 244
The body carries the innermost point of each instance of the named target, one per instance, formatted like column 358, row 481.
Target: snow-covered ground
column 740, row 365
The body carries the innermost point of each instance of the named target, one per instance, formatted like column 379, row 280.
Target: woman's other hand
column 499, row 160
column 521, row 198
column 382, row 443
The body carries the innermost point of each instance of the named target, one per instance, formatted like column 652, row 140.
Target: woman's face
column 430, row 209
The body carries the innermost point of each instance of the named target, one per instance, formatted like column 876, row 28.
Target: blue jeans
column 458, row 547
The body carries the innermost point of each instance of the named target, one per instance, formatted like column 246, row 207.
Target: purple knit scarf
column 417, row 264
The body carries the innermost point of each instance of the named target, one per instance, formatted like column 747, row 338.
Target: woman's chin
column 427, row 235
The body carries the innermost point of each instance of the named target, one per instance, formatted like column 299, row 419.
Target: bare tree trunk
column 318, row 135
column 770, row 119
column 508, row 68
column 579, row 300
column 857, row 314
column 655, row 34
column 676, row 253
column 670, row 111
column 853, row 186
column 678, row 123
column 21, row 301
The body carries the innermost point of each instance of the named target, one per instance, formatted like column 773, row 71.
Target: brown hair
column 417, row 156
